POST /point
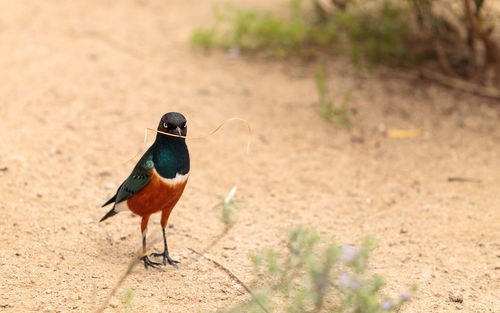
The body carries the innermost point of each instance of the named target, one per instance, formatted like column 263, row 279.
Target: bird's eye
column 185, row 125
column 165, row 125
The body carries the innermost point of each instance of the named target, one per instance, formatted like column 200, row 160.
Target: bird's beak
column 178, row 129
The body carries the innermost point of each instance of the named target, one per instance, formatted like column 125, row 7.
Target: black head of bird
column 173, row 123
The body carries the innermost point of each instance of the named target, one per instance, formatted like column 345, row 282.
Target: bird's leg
column 166, row 257
column 164, row 254
column 144, row 229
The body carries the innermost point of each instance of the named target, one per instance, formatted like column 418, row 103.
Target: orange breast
column 157, row 196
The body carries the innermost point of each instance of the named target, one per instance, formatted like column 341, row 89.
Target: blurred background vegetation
column 314, row 277
column 456, row 38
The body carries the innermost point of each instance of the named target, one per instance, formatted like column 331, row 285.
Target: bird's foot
column 148, row 262
column 166, row 258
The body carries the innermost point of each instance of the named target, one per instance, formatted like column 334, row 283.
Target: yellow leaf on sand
column 404, row 133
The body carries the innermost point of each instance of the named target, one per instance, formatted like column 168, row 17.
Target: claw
column 166, row 258
column 148, row 262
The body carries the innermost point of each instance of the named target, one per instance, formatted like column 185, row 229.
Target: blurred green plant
column 340, row 114
column 313, row 277
column 128, row 296
column 462, row 38
column 203, row 38
column 376, row 35
column 229, row 207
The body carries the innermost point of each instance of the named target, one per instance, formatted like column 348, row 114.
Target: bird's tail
column 111, row 212
column 113, row 199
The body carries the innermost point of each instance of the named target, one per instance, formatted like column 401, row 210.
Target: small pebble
column 456, row 298
column 381, row 128
column 92, row 56
column 202, row 91
column 104, row 173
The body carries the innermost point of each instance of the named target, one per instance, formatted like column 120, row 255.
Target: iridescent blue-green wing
column 138, row 179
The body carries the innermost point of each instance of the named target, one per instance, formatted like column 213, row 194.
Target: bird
column 156, row 182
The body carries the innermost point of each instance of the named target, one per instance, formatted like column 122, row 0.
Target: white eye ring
column 165, row 125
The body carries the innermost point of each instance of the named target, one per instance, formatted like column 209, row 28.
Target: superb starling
column 157, row 181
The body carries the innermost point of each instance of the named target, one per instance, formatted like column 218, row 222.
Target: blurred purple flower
column 386, row 305
column 349, row 253
column 406, row 296
column 346, row 281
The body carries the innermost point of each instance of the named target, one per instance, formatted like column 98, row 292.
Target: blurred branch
column 136, row 260
column 492, row 53
column 441, row 56
column 456, row 83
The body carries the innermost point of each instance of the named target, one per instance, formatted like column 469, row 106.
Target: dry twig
column 231, row 275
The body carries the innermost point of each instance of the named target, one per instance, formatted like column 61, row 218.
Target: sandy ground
column 80, row 80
